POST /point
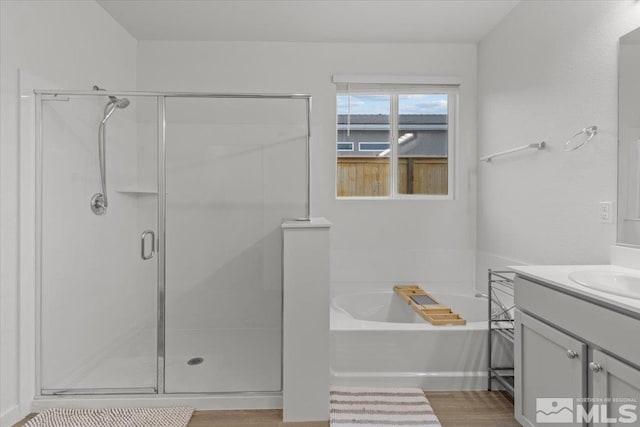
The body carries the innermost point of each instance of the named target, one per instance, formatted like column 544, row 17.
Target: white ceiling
column 402, row 21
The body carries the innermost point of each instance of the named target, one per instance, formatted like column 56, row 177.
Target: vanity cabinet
column 614, row 382
column 548, row 363
column 573, row 348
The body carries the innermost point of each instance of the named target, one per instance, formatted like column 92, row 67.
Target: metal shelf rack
column 501, row 323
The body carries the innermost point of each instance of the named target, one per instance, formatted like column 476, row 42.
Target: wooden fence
column 369, row 176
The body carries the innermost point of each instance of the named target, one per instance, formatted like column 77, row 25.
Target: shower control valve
column 97, row 204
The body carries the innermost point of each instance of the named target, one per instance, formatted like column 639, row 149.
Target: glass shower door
column 98, row 273
column 234, row 169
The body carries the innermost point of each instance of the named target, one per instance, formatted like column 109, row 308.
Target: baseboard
column 10, row 416
column 233, row 401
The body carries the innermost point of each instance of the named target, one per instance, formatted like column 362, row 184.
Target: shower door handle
column 143, row 244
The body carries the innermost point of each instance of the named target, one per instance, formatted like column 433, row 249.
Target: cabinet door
column 550, row 373
column 615, row 384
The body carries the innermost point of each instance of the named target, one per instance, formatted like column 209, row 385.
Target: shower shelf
column 137, row 190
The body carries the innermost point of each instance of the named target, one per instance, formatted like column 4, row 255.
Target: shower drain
column 195, row 361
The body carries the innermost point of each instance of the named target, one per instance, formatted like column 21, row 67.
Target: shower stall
column 158, row 248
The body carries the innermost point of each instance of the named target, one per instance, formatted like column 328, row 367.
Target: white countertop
column 558, row 276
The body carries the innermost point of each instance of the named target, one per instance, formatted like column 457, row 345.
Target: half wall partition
column 177, row 286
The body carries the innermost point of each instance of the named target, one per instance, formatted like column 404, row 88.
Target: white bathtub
column 377, row 340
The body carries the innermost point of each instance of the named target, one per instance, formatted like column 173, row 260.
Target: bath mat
column 388, row 407
column 112, row 417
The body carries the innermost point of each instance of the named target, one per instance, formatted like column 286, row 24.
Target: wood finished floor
column 453, row 408
column 472, row 408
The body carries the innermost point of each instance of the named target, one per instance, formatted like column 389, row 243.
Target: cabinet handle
column 572, row 354
column 595, row 367
column 143, row 242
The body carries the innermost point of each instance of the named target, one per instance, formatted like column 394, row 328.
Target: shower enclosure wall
column 177, row 288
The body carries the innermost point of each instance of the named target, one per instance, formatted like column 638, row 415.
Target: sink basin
column 612, row 282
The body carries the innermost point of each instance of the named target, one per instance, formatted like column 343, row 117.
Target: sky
column 380, row 104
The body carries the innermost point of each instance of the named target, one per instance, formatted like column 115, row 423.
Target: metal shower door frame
column 63, row 95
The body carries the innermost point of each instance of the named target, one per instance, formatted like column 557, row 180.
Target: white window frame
column 394, row 91
column 371, row 149
column 345, row 149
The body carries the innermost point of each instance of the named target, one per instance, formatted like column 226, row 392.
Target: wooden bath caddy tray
column 427, row 306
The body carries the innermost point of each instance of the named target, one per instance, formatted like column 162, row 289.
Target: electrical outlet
column 606, row 212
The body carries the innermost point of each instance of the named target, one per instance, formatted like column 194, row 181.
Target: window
column 373, row 146
column 401, row 140
column 345, row 146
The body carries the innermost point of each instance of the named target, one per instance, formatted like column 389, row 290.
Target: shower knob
column 97, row 204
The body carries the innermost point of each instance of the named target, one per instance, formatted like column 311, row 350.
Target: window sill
column 413, row 197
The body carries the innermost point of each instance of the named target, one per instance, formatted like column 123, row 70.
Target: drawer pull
column 572, row 354
column 595, row 367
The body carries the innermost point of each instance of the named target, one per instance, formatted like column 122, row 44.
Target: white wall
column 65, row 44
column 546, row 71
column 372, row 241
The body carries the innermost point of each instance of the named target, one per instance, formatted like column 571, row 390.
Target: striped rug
column 112, row 417
column 388, row 407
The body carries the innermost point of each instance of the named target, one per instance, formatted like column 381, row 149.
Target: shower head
column 113, row 104
column 122, row 103
column 119, row 102
column 99, row 201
